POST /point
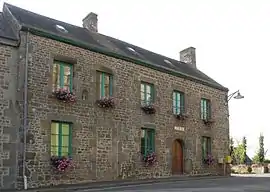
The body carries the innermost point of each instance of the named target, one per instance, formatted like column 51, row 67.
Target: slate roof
column 99, row 41
column 5, row 29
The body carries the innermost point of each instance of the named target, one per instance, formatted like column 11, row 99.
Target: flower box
column 148, row 108
column 64, row 95
column 208, row 121
column 209, row 160
column 181, row 116
column 106, row 102
column 61, row 164
column 150, row 159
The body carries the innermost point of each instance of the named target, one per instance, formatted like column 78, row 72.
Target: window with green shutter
column 206, row 147
column 61, row 139
column 147, row 93
column 147, row 141
column 104, row 84
column 205, row 109
column 178, row 103
column 62, row 76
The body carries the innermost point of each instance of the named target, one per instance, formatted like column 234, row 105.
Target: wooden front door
column 177, row 157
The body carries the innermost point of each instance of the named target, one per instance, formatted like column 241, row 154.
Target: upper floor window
column 147, row 93
column 205, row 109
column 178, row 103
column 105, row 84
column 61, row 139
column 62, row 76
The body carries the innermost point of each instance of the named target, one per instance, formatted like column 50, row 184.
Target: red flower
column 106, row 102
column 64, row 95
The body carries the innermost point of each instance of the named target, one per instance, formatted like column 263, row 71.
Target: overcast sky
column 230, row 36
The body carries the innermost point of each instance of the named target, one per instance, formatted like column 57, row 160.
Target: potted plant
column 61, row 164
column 150, row 159
column 106, row 102
column 64, row 95
column 148, row 108
column 181, row 116
column 208, row 121
column 209, row 160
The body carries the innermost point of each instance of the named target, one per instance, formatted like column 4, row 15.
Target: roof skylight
column 167, row 61
column 131, row 49
column 61, row 28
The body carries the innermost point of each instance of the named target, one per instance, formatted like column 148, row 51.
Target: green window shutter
column 145, row 92
column 71, row 78
column 70, row 140
column 209, row 146
column 60, row 140
column 182, row 102
column 177, row 102
column 174, row 103
column 111, row 85
column 152, row 93
column 61, row 75
column 152, row 140
column 202, row 109
column 208, row 109
column 102, row 84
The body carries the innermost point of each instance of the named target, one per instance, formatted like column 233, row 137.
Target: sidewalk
column 117, row 183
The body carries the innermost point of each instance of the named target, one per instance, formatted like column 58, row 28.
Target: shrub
column 249, row 169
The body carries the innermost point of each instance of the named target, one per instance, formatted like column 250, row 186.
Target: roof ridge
column 47, row 17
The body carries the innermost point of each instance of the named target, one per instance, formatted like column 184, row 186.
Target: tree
column 261, row 149
column 231, row 146
column 239, row 154
column 244, row 143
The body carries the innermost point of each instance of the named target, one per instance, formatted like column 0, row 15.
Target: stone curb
column 121, row 183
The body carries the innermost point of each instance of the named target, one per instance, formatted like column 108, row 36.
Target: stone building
column 129, row 103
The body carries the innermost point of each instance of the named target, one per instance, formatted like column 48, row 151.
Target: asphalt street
column 248, row 183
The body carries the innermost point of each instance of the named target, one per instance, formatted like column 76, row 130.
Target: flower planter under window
column 148, row 108
column 150, row 159
column 61, row 164
column 181, row 116
column 208, row 121
column 106, row 102
column 209, row 160
column 64, row 95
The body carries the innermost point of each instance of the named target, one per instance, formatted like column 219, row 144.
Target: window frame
column 61, row 74
column 205, row 106
column 60, row 135
column 152, row 93
column 101, row 84
column 178, row 110
column 146, row 145
column 208, row 149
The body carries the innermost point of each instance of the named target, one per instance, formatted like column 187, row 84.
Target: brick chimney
column 90, row 22
column 188, row 56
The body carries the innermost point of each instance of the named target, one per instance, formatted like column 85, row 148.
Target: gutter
column 93, row 48
column 25, row 109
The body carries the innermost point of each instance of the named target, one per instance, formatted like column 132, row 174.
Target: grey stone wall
column 106, row 143
column 9, row 121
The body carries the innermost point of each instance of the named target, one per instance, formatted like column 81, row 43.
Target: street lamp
column 238, row 96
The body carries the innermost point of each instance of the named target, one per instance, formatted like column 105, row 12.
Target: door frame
column 181, row 143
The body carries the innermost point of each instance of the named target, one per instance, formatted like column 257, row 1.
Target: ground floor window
column 147, row 141
column 61, row 139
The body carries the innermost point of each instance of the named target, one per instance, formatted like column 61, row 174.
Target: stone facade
column 9, row 121
column 106, row 143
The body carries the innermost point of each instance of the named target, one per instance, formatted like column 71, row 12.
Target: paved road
column 231, row 184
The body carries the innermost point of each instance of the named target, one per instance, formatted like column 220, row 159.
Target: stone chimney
column 90, row 22
column 188, row 56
